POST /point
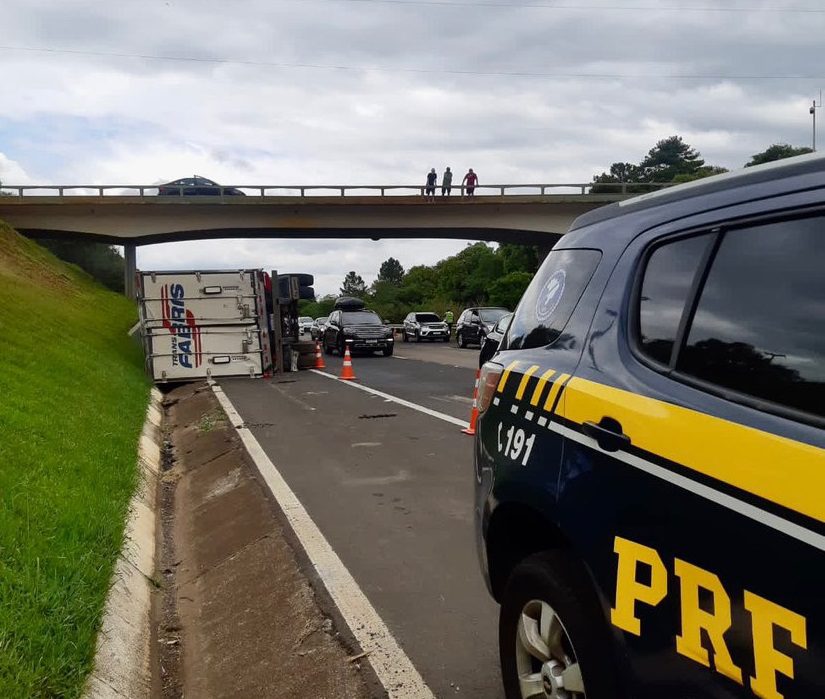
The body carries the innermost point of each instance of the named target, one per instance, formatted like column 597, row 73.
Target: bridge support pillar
column 129, row 269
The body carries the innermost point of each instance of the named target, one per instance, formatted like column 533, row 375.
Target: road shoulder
column 239, row 618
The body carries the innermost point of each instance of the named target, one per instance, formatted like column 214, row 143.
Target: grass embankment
column 72, row 402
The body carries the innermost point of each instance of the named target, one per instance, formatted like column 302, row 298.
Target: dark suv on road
column 474, row 324
column 650, row 451
column 351, row 323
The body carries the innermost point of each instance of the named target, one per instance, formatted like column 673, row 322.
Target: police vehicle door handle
column 608, row 433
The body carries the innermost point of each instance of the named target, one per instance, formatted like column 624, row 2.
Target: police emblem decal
column 550, row 295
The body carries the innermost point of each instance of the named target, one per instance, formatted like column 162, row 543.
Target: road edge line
column 395, row 399
column 122, row 652
column 391, row 665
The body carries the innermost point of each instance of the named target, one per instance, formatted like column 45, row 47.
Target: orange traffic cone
column 319, row 357
column 347, row 374
column 474, row 412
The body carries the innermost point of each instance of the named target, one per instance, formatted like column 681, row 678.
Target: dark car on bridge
column 197, row 186
column 425, row 326
column 474, row 324
column 354, row 325
column 650, row 449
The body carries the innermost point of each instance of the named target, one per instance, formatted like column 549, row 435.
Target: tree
column 668, row 158
column 519, row 258
column 101, row 260
column 507, row 290
column 354, row 285
column 777, row 151
column 391, row 271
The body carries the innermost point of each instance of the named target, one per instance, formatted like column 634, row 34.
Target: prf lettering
column 765, row 616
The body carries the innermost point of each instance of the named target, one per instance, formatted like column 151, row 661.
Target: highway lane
column 391, row 490
column 438, row 376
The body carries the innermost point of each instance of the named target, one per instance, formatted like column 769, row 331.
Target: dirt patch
column 237, row 616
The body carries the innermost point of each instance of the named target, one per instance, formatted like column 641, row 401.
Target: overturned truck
column 205, row 324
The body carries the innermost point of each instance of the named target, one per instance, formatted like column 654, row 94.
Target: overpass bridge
column 131, row 215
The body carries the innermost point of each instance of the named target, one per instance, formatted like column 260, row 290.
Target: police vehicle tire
column 560, row 581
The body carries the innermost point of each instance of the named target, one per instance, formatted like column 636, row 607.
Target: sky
column 379, row 91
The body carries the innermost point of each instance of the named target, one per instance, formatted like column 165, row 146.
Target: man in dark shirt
column 471, row 179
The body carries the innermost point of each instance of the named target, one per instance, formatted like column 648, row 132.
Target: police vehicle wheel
column 553, row 639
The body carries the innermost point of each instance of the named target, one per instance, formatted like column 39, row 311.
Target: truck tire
column 554, row 585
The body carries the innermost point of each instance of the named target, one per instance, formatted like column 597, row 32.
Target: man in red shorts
column 471, row 179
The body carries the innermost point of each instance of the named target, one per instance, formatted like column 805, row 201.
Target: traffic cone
column 319, row 357
column 347, row 374
column 474, row 412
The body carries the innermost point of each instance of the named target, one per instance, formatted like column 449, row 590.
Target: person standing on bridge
column 471, row 179
column 446, row 182
column 431, row 181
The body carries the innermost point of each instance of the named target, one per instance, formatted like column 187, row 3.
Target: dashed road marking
column 391, row 665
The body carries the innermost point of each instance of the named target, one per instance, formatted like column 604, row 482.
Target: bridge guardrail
column 578, row 188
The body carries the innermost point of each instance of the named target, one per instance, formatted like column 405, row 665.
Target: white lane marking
column 395, row 399
column 366, row 444
column 743, row 508
column 392, row 666
column 397, row 356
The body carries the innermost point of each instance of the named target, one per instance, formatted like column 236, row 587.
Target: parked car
column 492, row 340
column 196, row 186
column 316, row 330
column 474, row 324
column 351, row 323
column 425, row 326
column 305, row 324
column 651, row 448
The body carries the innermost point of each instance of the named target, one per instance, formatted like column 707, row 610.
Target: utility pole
column 812, row 111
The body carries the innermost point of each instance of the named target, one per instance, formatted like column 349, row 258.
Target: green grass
column 72, row 402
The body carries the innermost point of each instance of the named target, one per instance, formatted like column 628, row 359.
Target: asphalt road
column 391, row 490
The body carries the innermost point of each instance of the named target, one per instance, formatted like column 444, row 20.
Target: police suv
column 650, row 458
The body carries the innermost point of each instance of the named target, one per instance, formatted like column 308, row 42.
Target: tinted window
column 668, row 277
column 759, row 326
column 551, row 298
column 491, row 315
column 427, row 318
column 361, row 318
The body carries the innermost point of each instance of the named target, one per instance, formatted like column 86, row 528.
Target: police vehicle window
column 551, row 298
column 667, row 282
column 759, row 327
column 361, row 318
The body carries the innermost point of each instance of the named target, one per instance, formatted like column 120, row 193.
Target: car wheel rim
column 546, row 662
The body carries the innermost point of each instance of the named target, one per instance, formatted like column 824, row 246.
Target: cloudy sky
column 379, row 91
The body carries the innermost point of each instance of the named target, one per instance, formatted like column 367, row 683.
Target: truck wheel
column 387, row 351
column 553, row 638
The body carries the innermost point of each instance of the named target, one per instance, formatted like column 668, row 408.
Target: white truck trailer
column 203, row 324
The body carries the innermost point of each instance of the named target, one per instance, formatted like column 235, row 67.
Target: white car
column 305, row 324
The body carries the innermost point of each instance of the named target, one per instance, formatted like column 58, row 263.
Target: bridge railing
column 153, row 190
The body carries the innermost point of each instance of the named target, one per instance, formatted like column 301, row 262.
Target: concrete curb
column 121, row 667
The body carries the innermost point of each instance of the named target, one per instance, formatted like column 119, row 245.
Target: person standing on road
column 431, row 181
column 471, row 179
column 448, row 316
column 446, row 182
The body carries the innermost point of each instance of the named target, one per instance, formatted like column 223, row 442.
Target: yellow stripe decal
column 540, row 386
column 784, row 471
column 506, row 375
column 522, row 387
column 554, row 391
